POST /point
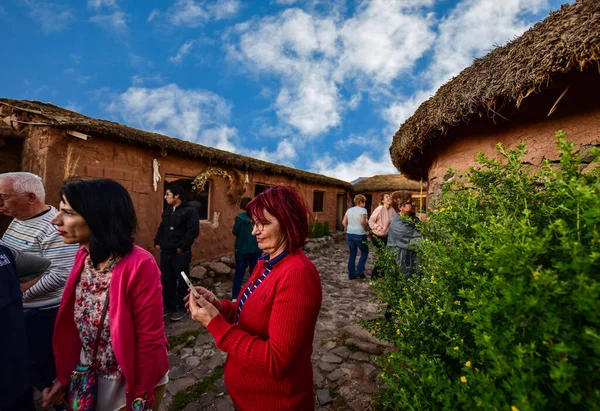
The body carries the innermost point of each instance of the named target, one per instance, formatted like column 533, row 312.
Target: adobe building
column 56, row 144
column 374, row 187
column 544, row 81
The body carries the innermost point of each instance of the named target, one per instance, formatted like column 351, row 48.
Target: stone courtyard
column 345, row 376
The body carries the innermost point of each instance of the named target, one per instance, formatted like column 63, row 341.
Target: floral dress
column 90, row 296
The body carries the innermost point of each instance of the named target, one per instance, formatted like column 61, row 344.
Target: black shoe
column 361, row 276
column 178, row 315
column 354, row 278
column 167, row 312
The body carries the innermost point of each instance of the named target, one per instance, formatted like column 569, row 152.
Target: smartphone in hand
column 190, row 285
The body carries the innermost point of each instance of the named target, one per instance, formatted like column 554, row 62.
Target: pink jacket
column 136, row 324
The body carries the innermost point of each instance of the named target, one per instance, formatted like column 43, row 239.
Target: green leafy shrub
column 506, row 313
column 318, row 229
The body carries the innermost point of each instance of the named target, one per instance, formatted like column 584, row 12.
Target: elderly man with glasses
column 22, row 197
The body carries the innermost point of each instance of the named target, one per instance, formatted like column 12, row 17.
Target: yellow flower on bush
column 463, row 378
column 457, row 302
column 468, row 363
column 456, row 348
column 536, row 275
column 513, row 408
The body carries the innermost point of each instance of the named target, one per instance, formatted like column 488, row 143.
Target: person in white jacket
column 380, row 225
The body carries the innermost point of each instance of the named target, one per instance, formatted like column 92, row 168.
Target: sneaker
column 178, row 315
column 167, row 312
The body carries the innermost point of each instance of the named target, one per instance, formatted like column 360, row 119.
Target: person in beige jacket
column 380, row 225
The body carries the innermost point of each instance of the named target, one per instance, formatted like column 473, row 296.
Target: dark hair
column 176, row 189
column 107, row 209
column 381, row 198
column 399, row 197
column 289, row 208
column 244, row 202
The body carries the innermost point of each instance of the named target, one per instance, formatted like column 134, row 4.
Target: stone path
column 344, row 374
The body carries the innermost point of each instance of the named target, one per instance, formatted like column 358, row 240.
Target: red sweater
column 137, row 329
column 268, row 365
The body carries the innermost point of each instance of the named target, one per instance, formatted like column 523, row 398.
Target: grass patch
column 352, row 347
column 194, row 392
column 188, row 338
column 324, row 309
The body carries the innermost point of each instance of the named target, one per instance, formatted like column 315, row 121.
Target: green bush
column 506, row 313
column 318, row 229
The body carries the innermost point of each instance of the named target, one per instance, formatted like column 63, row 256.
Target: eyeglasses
column 406, row 203
column 258, row 225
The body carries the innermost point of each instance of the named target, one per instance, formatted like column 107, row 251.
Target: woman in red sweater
column 109, row 271
column 268, row 332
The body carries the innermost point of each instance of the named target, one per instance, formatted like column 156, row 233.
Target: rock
column 192, row 362
column 324, row 397
column 198, row 272
column 214, row 362
column 180, row 384
column 176, row 372
column 221, row 404
column 353, row 371
column 173, row 360
column 331, row 358
column 204, row 401
column 329, row 345
column 219, row 268
column 366, row 387
column 335, row 375
column 317, row 377
column 201, row 372
column 327, row 367
column 359, row 356
column 364, row 346
column 229, row 261
column 186, row 352
column 192, row 406
column 343, row 352
column 357, row 332
column 220, row 383
column 207, row 282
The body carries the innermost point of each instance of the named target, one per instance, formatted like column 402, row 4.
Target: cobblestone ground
column 345, row 376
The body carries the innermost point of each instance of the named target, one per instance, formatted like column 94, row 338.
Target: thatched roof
column 56, row 116
column 567, row 40
column 385, row 182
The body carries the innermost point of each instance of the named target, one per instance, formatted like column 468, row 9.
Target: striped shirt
column 38, row 236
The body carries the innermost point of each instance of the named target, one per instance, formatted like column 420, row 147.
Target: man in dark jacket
column 246, row 247
column 178, row 230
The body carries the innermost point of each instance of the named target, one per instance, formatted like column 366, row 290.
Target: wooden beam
column 78, row 134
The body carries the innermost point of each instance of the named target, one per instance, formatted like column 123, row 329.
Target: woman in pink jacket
column 380, row 225
column 131, row 359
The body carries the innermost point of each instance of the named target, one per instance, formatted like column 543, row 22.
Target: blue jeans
column 355, row 242
column 241, row 262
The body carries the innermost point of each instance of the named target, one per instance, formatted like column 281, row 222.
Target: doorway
column 341, row 210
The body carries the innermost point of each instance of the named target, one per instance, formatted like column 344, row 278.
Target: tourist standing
column 176, row 234
column 380, row 225
column 22, row 196
column 246, row 248
column 16, row 393
column 355, row 224
column 268, row 334
column 111, row 314
column 403, row 234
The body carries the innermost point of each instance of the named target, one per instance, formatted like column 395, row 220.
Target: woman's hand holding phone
column 208, row 296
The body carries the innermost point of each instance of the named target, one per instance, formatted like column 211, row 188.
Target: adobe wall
column 583, row 129
column 131, row 165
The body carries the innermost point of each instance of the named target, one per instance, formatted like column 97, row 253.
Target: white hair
column 24, row 183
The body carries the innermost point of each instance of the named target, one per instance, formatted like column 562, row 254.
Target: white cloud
column 140, row 79
column 199, row 116
column 183, row 51
column 285, row 2
column 74, row 106
column 112, row 22
column 76, row 76
column 51, row 17
column 471, row 29
column 192, row 13
column 363, row 166
column 313, row 57
column 98, row 4
column 286, row 152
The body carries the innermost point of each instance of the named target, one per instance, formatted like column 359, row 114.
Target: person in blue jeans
column 246, row 248
column 357, row 230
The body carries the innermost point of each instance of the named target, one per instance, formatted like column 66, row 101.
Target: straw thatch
column 568, row 40
column 56, row 116
column 385, row 182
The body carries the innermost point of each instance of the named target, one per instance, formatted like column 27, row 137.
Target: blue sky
column 318, row 85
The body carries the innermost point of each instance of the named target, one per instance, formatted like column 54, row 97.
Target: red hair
column 289, row 208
